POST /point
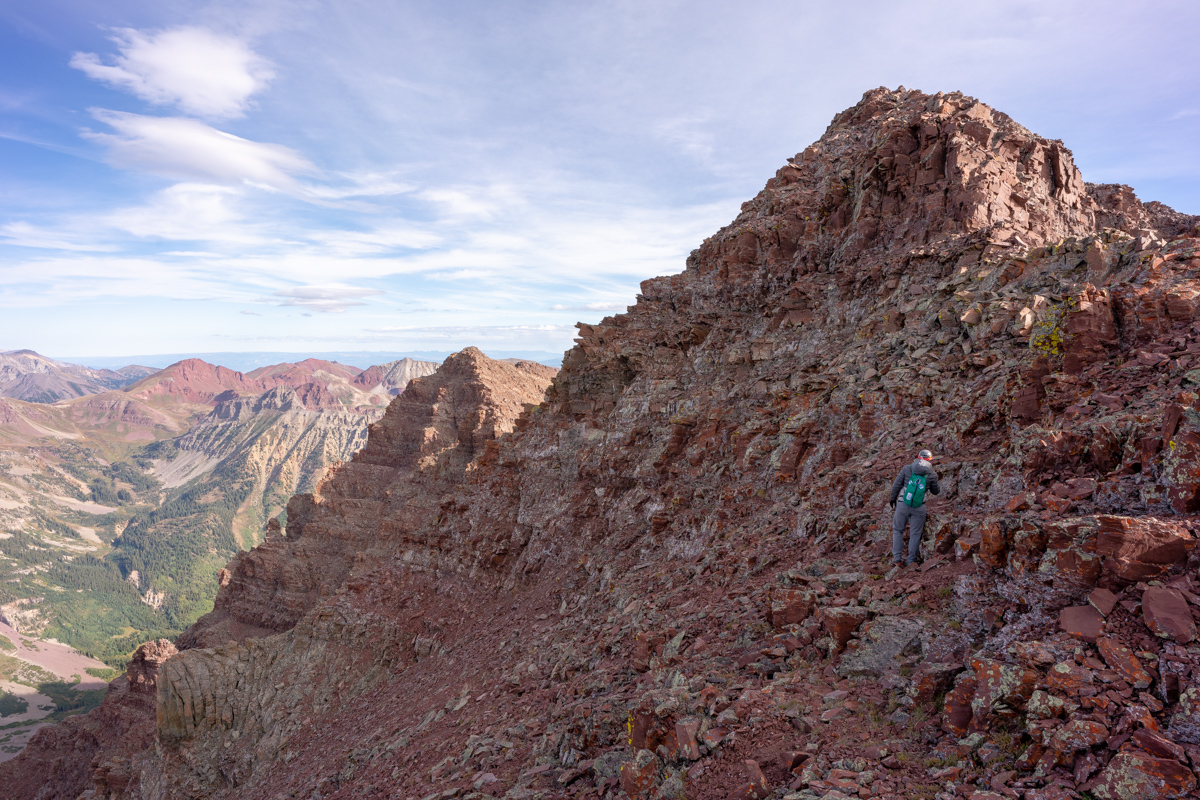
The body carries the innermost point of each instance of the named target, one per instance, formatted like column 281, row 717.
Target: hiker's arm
column 932, row 484
column 897, row 485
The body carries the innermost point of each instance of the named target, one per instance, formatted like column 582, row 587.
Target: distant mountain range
column 250, row 361
column 123, row 491
column 30, row 376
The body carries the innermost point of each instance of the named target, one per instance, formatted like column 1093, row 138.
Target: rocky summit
column 669, row 576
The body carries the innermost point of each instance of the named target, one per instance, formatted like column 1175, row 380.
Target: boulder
column 685, row 735
column 993, row 544
column 1069, row 679
column 1000, row 689
column 1139, row 549
column 1080, row 488
column 1167, row 614
column 1121, row 660
column 1135, row 774
column 640, row 775
column 843, row 622
column 1158, row 744
column 932, row 678
column 957, row 706
column 1044, row 706
column 758, row 781
column 1080, row 734
column 790, row 606
column 881, row 647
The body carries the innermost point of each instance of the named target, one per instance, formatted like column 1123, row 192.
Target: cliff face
column 672, row 577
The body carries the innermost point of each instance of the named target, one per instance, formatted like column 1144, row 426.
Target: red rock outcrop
column 63, row 761
column 677, row 566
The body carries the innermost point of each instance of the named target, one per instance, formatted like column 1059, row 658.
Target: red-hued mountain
column 198, row 382
column 303, row 371
column 195, row 381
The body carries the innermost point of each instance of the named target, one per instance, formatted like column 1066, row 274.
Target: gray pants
column 914, row 520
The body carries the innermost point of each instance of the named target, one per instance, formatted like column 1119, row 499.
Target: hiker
column 910, row 488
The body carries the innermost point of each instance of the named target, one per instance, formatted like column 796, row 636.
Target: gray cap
column 925, row 454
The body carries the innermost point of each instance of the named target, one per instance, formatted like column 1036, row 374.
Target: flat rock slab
column 1167, row 614
column 1102, row 600
column 1082, row 622
column 1121, row 660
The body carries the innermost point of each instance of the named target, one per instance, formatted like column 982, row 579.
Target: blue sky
column 312, row 176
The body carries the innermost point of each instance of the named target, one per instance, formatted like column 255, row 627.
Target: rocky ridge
column 671, row 578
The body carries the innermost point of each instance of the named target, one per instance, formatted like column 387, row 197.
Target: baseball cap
column 925, row 454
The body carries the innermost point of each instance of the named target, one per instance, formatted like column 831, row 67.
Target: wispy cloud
column 186, row 149
column 332, row 298
column 202, row 73
column 186, row 211
column 24, row 234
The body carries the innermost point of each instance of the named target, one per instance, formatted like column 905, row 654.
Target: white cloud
column 23, row 234
column 363, row 185
column 200, row 72
column 185, row 211
column 481, row 203
column 190, row 150
column 329, row 298
column 380, row 240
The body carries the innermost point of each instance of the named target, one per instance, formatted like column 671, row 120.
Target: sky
column 317, row 175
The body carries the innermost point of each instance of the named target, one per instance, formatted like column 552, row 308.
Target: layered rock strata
column 672, row 579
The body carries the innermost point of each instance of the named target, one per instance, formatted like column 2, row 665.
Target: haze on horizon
column 275, row 175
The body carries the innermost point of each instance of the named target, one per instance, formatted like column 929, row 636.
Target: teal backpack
column 914, row 491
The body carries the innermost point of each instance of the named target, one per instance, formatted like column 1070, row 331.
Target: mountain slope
column 390, row 379
column 671, row 578
column 26, row 375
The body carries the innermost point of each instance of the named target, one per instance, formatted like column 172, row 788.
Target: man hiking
column 910, row 488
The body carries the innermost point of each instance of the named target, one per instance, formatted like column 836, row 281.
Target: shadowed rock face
column 684, row 546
